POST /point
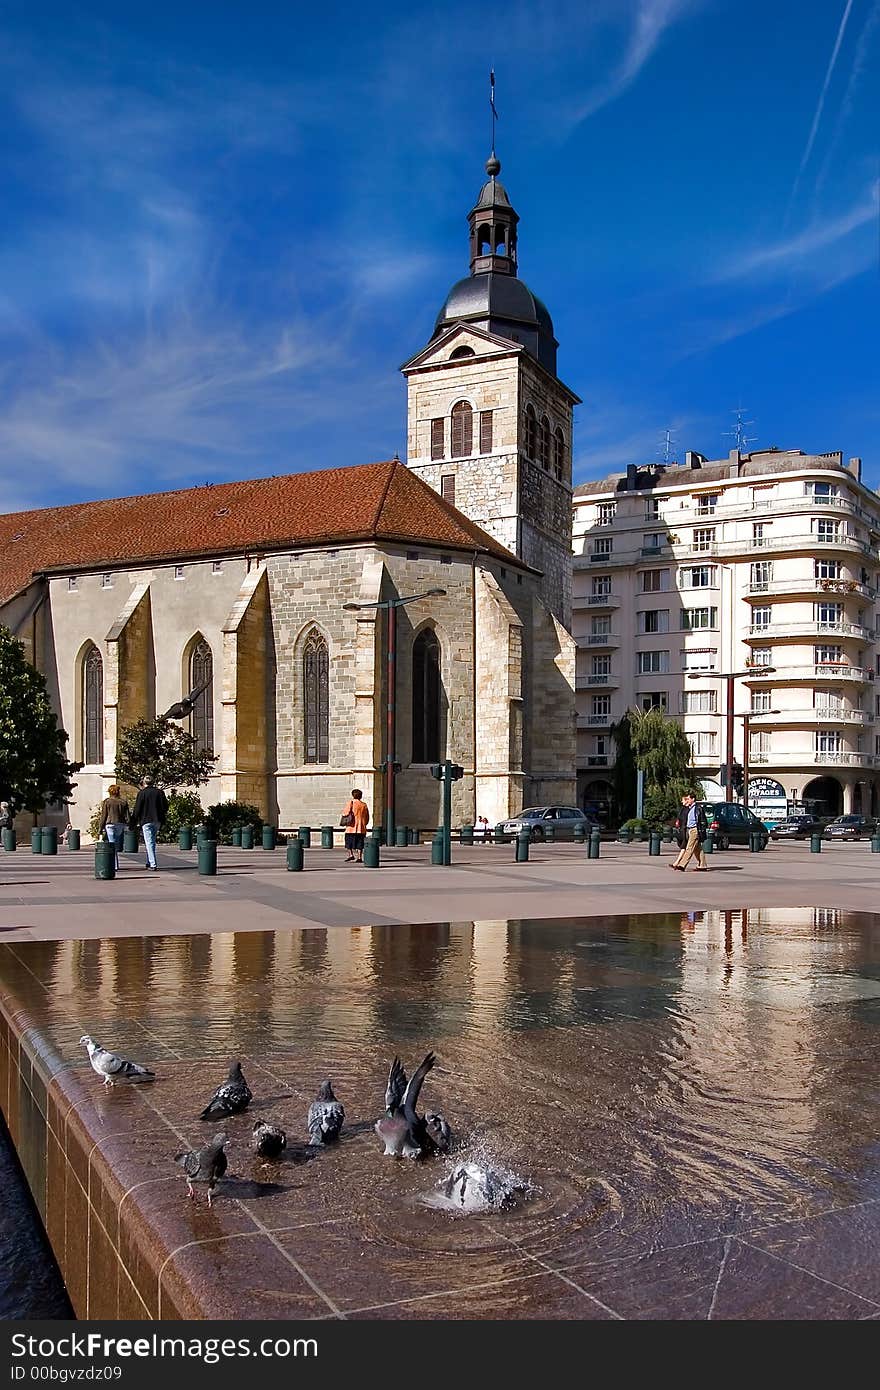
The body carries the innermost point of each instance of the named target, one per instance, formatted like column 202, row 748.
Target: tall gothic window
column 559, row 454
column 462, row 430
column 316, row 698
column 545, row 442
column 426, row 698
column 93, row 707
column 485, row 431
column 201, row 672
column 531, row 433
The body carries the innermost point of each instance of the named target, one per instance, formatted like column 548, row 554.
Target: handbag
column 347, row 819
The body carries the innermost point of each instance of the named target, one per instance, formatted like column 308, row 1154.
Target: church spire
column 493, row 226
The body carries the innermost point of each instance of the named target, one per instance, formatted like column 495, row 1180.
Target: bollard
column 413, row 836
column 401, row 837
column 654, row 843
column 72, row 839
column 875, row 844
column 668, row 834
column 437, row 849
column 36, row 841
column 549, row 832
column 522, row 846
column 185, row 837
column 105, row 860
column 326, row 836
column 268, row 837
column 371, row 852
column 624, row 835
column 129, row 841
column 208, row 858
column 500, row 837
column 466, row 835
column 579, row 832
column 379, row 831
column 595, row 841
column 709, row 843
column 235, row 837
column 9, row 840
column 815, row 844
column 49, row 840
column 247, row 837
column 295, row 854
column 305, row 834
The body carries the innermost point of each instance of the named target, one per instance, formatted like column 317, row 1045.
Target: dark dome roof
column 494, row 296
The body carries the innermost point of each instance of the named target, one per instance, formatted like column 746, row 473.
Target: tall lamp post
column 390, row 765
column 730, row 677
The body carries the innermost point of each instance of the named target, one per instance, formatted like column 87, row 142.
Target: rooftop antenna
column 666, row 446
column 492, row 104
column 738, row 433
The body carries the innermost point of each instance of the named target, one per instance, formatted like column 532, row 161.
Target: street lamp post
column 730, row 677
column 391, row 605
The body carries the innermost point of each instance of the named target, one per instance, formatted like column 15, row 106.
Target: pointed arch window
column 93, row 706
column 544, row 443
column 201, row 672
column 426, row 690
column 316, row 698
column 531, row 433
column 559, row 454
column 462, row 430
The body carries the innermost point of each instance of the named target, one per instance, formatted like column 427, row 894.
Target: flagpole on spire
column 492, row 104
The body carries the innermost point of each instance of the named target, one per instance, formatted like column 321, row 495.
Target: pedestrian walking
column 115, row 816
column 355, row 818
column 691, row 834
column 150, row 810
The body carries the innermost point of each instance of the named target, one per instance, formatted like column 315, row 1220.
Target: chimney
column 694, row 460
column 855, row 467
column 631, row 475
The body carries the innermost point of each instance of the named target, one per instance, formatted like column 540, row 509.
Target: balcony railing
column 809, row 584
column 597, row 760
column 813, row 756
column 598, row 639
column 828, row 714
column 826, row 670
column 817, row 628
column 592, row 681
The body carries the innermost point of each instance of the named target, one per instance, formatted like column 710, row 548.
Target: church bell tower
column 489, row 422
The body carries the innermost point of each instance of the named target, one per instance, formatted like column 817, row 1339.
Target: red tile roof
column 373, row 501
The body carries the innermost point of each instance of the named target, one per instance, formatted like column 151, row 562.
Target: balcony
column 598, row 639
column 809, row 715
column 824, row 671
column 814, row 629
column 652, row 552
column 595, row 601
column 812, row 757
column 594, row 721
column 809, row 584
column 597, row 682
column 597, row 760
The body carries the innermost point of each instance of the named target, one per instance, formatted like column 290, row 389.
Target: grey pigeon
column 475, row 1187
column 112, row 1068
column 405, row 1133
column 207, row 1164
column 268, row 1140
column 325, row 1116
column 230, row 1098
column 438, row 1131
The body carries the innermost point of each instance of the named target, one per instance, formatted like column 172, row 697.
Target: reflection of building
column 763, row 560
column 128, row 604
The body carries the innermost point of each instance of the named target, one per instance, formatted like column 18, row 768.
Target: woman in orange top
column 356, row 830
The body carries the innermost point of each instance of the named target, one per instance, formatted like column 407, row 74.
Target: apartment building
column 764, row 565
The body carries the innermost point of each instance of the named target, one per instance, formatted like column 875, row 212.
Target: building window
column 759, row 744
column 601, row 586
column 652, row 509
column 762, row 617
column 759, row 534
column 704, row 538
column 178, row 571
column 762, row 495
column 316, row 698
column 693, row 619
column 438, row 428
column 462, row 430
column 651, row 662
column 829, row 741
column 698, row 701
column 93, row 706
column 106, row 581
column 653, row 540
column 700, row 659
column 827, row 569
column 601, row 706
column 485, row 431
column 828, row 656
column 426, row 689
column 601, row 627
column 706, row 503
column 603, row 545
column 826, row 530
column 760, row 576
column 559, row 455
column 821, row 492
column 602, row 666
column 698, row 577
column 606, row 513
column 829, row 614
column 531, row 432
column 654, row 699
column 703, row 745
column 72, row 583
column 653, row 620
column 447, row 488
column 827, row 702
column 761, row 701
column 653, row 581
column 761, row 656
column 201, row 673
column 545, row 443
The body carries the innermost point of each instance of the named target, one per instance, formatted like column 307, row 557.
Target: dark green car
column 732, row 824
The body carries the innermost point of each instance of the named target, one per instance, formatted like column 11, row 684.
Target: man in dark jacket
column 150, row 810
column 691, row 834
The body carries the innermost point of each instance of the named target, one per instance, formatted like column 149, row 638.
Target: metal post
column 728, row 790
column 640, row 793
column 447, row 812
column 746, row 721
column 391, row 723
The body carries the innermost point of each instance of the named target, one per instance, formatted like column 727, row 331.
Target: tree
column 663, row 753
column 165, row 751
column 33, row 767
column 624, row 770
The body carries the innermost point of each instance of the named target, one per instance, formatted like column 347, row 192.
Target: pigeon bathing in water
column 207, row 1164
column 112, row 1068
column 474, row 1187
column 230, row 1098
column 325, row 1116
column 268, row 1140
column 405, row 1133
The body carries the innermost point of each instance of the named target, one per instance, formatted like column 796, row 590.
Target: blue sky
column 225, row 226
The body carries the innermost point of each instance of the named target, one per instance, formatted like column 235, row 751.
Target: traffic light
column 737, row 778
column 456, row 772
column 437, row 771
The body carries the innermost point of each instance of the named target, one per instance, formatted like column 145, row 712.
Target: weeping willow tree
column 661, row 750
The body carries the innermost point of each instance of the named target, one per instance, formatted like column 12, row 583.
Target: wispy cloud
column 820, row 105
column 648, row 22
column 795, row 253
column 857, row 71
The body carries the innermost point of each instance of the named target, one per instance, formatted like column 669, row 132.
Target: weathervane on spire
column 492, row 104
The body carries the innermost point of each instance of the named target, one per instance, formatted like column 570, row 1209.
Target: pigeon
column 207, row 1164
column 234, row 1095
column 325, row 1116
column 404, row 1132
column 474, row 1187
column 438, row 1131
column 112, row 1068
column 268, row 1140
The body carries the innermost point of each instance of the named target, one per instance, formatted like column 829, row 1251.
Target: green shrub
column 226, row 815
column 634, row 823
column 184, row 808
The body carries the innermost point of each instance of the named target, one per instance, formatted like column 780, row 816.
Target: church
column 338, row 621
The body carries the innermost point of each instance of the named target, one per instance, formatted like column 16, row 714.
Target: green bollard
column 235, row 837
column 268, row 837
column 129, row 841
column 185, row 837
column 36, row 841
column 624, row 835
column 401, row 837
column 579, row 832
column 305, row 834
column 294, row 854
column 49, row 840
column 667, row 834
column 875, row 844
column 326, row 836
column 9, row 840
column 654, row 843
column 709, row 843
column 73, row 839
column 593, row 848
column 755, row 841
column 466, row 835
column 499, row 836
column 105, row 860
column 815, row 844
column 413, row 836
column 522, row 847
column 247, row 837
column 437, row 850
column 549, row 832
column 371, row 852
column 208, row 858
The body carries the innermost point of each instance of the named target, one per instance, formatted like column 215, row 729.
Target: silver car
column 537, row 820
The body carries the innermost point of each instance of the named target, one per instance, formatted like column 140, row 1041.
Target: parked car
column 537, row 818
column 731, row 824
column 798, row 828
column 849, row 828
